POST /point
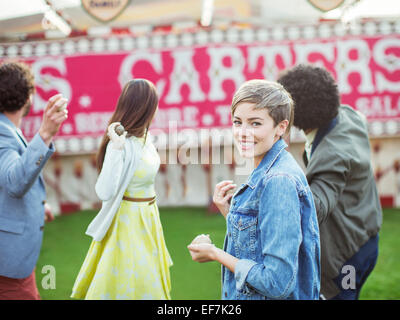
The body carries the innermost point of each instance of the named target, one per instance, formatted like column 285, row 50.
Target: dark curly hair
column 16, row 85
column 315, row 94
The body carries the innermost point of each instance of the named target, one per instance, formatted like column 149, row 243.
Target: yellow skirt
column 131, row 262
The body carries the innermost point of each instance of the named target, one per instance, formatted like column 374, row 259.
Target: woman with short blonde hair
column 271, row 248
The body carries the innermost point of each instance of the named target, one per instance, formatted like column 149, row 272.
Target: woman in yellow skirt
column 128, row 257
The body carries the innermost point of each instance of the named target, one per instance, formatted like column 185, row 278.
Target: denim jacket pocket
column 243, row 234
column 242, row 220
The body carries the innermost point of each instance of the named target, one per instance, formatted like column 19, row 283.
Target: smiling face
column 254, row 131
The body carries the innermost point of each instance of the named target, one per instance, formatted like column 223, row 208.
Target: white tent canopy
column 25, row 16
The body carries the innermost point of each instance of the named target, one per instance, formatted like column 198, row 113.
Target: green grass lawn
column 384, row 281
column 65, row 245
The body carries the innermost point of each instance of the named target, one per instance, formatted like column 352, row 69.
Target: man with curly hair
column 338, row 160
column 22, row 191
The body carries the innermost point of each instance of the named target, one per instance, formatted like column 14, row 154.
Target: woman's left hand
column 203, row 252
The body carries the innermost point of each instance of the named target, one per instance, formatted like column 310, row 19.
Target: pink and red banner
column 196, row 83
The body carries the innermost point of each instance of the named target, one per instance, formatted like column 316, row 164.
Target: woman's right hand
column 222, row 194
column 118, row 141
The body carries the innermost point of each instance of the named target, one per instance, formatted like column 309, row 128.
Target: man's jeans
column 363, row 262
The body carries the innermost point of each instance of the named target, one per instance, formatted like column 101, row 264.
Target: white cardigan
column 116, row 173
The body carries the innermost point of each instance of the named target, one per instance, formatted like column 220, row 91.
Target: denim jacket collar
column 267, row 162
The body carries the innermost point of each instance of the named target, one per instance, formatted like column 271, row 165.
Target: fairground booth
column 198, row 53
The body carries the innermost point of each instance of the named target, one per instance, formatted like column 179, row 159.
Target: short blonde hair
column 269, row 95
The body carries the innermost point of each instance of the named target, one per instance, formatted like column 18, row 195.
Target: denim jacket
column 272, row 229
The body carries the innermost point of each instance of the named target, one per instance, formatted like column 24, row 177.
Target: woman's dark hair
column 315, row 94
column 16, row 86
column 135, row 110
